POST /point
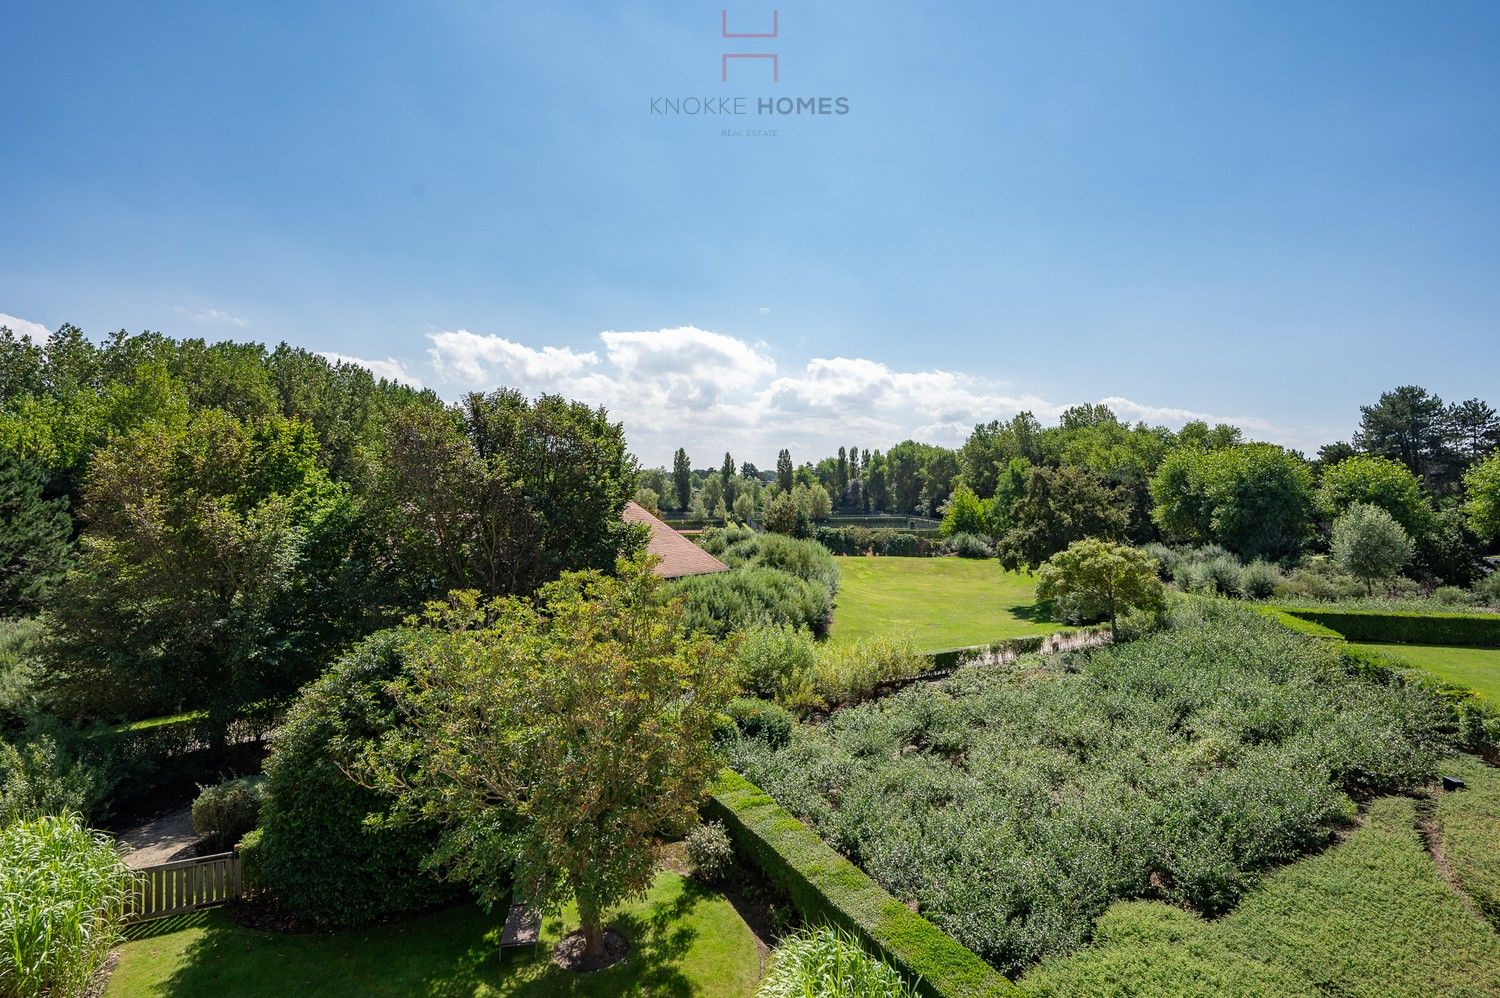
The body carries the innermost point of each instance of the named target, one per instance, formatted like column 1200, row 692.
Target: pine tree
column 34, row 537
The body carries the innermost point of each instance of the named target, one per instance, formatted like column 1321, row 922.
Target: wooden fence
column 184, row 885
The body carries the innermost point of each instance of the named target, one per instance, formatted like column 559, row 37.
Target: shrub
column 731, row 601
column 829, row 962
column 761, row 719
column 63, row 893
column 368, row 866
column 222, row 814
column 38, row 777
column 1316, row 577
column 1488, row 589
column 969, row 546
column 1014, row 805
column 1453, row 596
column 1258, row 580
column 770, row 658
column 848, row 673
column 711, row 852
column 805, row 559
column 878, row 541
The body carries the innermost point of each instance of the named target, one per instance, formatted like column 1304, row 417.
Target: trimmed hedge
column 1297, row 624
column 827, row 887
column 1473, row 630
column 879, row 541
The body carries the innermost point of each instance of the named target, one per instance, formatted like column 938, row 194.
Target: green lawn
column 1370, row 917
column 685, row 941
column 1476, row 668
column 941, row 602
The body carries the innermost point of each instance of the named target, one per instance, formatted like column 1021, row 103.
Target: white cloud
column 213, row 316
column 25, row 328
column 391, row 369
column 710, row 392
column 461, row 356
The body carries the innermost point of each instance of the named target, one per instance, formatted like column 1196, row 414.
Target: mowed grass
column 685, row 941
column 1476, row 668
column 1369, row 917
column 940, row 602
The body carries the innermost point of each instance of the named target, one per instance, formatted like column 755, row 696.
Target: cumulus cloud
column 213, row 316
column 471, row 358
column 25, row 328
column 391, row 369
column 712, row 392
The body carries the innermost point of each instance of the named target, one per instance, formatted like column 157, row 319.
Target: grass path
column 1476, row 668
column 685, row 941
column 941, row 602
column 1371, row 917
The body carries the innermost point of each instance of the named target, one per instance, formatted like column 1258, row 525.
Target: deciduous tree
column 1095, row 579
column 553, row 740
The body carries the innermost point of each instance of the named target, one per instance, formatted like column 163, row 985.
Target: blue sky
column 1261, row 211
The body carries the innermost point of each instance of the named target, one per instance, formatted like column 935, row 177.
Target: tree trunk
column 593, row 933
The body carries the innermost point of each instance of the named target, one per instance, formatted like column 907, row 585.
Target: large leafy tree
column 35, row 536
column 965, row 514
column 992, row 445
column 1095, row 579
column 1482, row 483
column 206, row 576
column 1060, row 506
column 1412, row 426
column 1376, row 481
column 501, row 494
column 553, row 740
column 784, row 470
column 1254, row 499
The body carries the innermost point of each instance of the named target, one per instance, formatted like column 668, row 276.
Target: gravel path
column 161, row 840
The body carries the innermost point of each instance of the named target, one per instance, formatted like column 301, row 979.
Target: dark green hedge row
column 1475, row 630
column 826, row 887
column 879, row 540
column 1297, row 624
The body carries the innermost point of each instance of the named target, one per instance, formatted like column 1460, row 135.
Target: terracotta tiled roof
column 679, row 556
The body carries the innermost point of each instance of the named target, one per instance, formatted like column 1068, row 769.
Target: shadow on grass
column 446, row 955
column 1033, row 613
column 166, row 926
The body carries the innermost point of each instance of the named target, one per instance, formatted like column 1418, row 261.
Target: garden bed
column 1011, row 805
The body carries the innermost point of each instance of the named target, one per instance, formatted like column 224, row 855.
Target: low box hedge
column 1293, row 623
column 826, row 887
column 1473, row 630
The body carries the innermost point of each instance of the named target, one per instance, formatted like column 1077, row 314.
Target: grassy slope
column 940, row 602
column 685, row 941
column 1468, row 822
column 1476, row 668
column 1368, row 917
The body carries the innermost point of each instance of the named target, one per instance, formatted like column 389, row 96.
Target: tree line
column 202, row 526
column 1033, row 489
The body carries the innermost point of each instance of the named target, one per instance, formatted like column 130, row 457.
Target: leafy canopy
column 559, row 735
column 1101, row 579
